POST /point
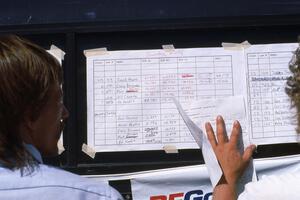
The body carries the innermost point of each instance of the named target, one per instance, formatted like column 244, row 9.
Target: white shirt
column 280, row 187
column 51, row 183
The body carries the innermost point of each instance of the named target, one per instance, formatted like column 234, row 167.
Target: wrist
column 225, row 190
column 230, row 183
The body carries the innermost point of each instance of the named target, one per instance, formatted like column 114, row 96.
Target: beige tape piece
column 168, row 47
column 60, row 147
column 236, row 46
column 95, row 52
column 170, row 149
column 88, row 150
column 57, row 52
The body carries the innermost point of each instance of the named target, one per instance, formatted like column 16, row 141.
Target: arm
column 232, row 162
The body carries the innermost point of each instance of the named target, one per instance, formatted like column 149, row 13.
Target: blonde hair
column 293, row 84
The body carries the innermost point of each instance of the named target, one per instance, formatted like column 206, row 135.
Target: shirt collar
column 34, row 152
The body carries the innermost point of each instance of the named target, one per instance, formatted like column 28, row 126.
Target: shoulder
column 71, row 181
column 285, row 186
column 54, row 180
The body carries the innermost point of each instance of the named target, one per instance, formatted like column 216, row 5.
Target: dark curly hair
column 293, row 84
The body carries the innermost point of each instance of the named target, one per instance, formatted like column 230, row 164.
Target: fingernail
column 206, row 124
column 236, row 122
column 219, row 117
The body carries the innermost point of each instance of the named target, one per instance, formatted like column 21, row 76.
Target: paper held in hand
column 197, row 113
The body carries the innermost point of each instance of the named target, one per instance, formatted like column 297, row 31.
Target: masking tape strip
column 57, row 52
column 236, row 46
column 170, row 149
column 95, row 52
column 168, row 47
column 88, row 150
column 60, row 147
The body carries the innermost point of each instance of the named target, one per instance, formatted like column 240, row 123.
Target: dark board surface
column 22, row 12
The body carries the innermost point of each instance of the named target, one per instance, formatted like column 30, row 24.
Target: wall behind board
column 16, row 12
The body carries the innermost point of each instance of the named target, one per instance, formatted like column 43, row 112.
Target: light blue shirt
column 50, row 183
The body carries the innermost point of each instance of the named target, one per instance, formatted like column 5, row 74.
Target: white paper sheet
column 231, row 108
column 129, row 94
column 210, row 159
column 270, row 115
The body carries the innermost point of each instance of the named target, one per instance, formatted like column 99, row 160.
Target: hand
column 232, row 162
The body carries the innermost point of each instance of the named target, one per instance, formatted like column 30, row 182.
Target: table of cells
column 271, row 115
column 133, row 97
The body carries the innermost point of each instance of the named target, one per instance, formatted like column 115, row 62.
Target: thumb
column 249, row 152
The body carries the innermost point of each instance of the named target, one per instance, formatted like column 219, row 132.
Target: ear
column 28, row 123
column 28, row 127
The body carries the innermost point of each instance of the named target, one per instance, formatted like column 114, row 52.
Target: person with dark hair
column 32, row 116
column 233, row 163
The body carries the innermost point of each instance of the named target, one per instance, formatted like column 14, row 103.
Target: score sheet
column 271, row 118
column 129, row 94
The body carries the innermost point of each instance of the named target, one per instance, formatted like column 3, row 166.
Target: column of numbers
column 169, row 88
column 99, row 105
